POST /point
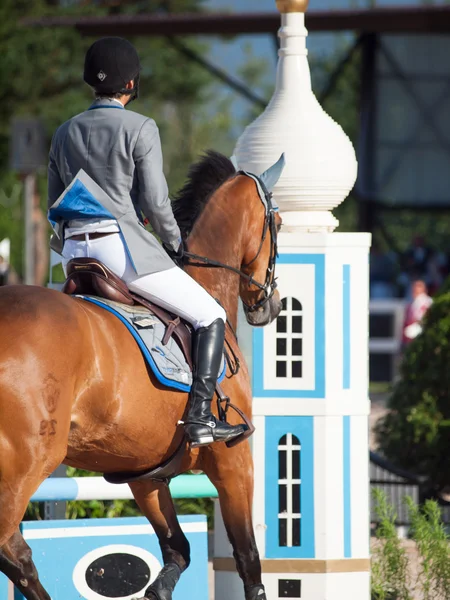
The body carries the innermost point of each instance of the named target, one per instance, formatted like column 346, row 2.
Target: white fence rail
column 385, row 343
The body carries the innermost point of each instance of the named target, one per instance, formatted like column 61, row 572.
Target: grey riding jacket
column 106, row 163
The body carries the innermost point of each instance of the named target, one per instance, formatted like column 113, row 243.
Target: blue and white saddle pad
column 167, row 362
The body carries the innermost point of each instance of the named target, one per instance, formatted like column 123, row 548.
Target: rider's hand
column 175, row 255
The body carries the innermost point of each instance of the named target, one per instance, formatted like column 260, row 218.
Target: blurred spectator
column 417, row 257
column 415, row 265
column 4, row 271
column 415, row 311
column 382, row 273
column 437, row 271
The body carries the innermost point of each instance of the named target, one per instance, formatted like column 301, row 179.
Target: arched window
column 290, row 339
column 289, row 482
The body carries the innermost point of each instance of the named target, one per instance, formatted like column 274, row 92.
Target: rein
column 270, row 285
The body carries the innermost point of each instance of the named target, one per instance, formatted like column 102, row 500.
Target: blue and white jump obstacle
column 97, row 559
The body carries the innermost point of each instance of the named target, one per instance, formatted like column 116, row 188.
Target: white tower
column 310, row 368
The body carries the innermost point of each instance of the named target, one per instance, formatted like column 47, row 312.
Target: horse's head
column 262, row 302
column 231, row 224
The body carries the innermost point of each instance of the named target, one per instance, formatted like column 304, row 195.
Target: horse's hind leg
column 231, row 471
column 156, row 503
column 16, row 563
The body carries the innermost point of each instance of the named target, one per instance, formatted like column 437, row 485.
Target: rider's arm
column 153, row 195
column 55, row 184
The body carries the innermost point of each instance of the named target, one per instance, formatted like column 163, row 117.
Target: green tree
column 415, row 433
column 41, row 76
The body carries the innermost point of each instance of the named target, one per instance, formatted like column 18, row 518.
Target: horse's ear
column 234, row 162
column 273, row 173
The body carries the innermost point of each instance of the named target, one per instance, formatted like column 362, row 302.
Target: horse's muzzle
column 266, row 313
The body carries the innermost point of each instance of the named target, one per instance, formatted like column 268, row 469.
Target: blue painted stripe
column 318, row 260
column 182, row 387
column 347, row 489
column 4, row 586
column 346, row 307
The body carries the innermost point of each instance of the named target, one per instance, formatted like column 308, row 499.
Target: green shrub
column 415, row 433
column 428, row 531
column 394, row 577
column 128, row 508
column 389, row 559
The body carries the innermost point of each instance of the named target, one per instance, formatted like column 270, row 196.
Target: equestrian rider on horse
column 120, row 151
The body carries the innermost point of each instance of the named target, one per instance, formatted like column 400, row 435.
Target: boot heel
column 202, row 441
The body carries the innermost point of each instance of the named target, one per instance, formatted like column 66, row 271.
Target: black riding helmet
column 110, row 63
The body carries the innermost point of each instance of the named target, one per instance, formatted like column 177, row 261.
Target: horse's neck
column 219, row 235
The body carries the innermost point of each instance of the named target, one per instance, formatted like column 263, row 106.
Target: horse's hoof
column 255, row 592
column 164, row 584
column 149, row 595
column 158, row 595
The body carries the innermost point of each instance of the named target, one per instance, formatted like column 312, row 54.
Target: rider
column 120, row 151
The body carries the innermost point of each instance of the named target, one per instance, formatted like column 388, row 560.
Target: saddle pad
column 167, row 362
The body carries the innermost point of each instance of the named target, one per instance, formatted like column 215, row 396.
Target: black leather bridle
column 269, row 286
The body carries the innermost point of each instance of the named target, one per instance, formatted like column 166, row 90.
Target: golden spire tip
column 290, row 6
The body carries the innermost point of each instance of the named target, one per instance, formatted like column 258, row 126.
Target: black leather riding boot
column 201, row 426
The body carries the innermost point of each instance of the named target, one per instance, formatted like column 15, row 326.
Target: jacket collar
column 106, row 103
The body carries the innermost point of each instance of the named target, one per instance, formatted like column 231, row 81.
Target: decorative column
column 310, row 367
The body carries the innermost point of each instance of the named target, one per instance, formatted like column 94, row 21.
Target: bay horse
column 75, row 388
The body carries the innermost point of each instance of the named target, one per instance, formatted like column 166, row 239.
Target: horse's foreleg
column 156, row 503
column 231, row 471
column 15, row 554
column 16, row 563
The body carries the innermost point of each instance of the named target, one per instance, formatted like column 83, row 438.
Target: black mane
column 204, row 178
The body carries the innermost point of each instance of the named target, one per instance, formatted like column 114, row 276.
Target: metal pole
column 56, row 509
column 365, row 184
column 232, row 82
column 29, row 188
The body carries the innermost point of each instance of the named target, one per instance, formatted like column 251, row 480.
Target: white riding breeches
column 172, row 289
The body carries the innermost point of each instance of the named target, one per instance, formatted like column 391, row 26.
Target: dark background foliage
column 416, row 433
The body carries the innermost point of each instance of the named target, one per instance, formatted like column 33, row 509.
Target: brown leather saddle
column 90, row 277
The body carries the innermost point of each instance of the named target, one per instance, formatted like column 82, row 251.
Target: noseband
column 269, row 286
